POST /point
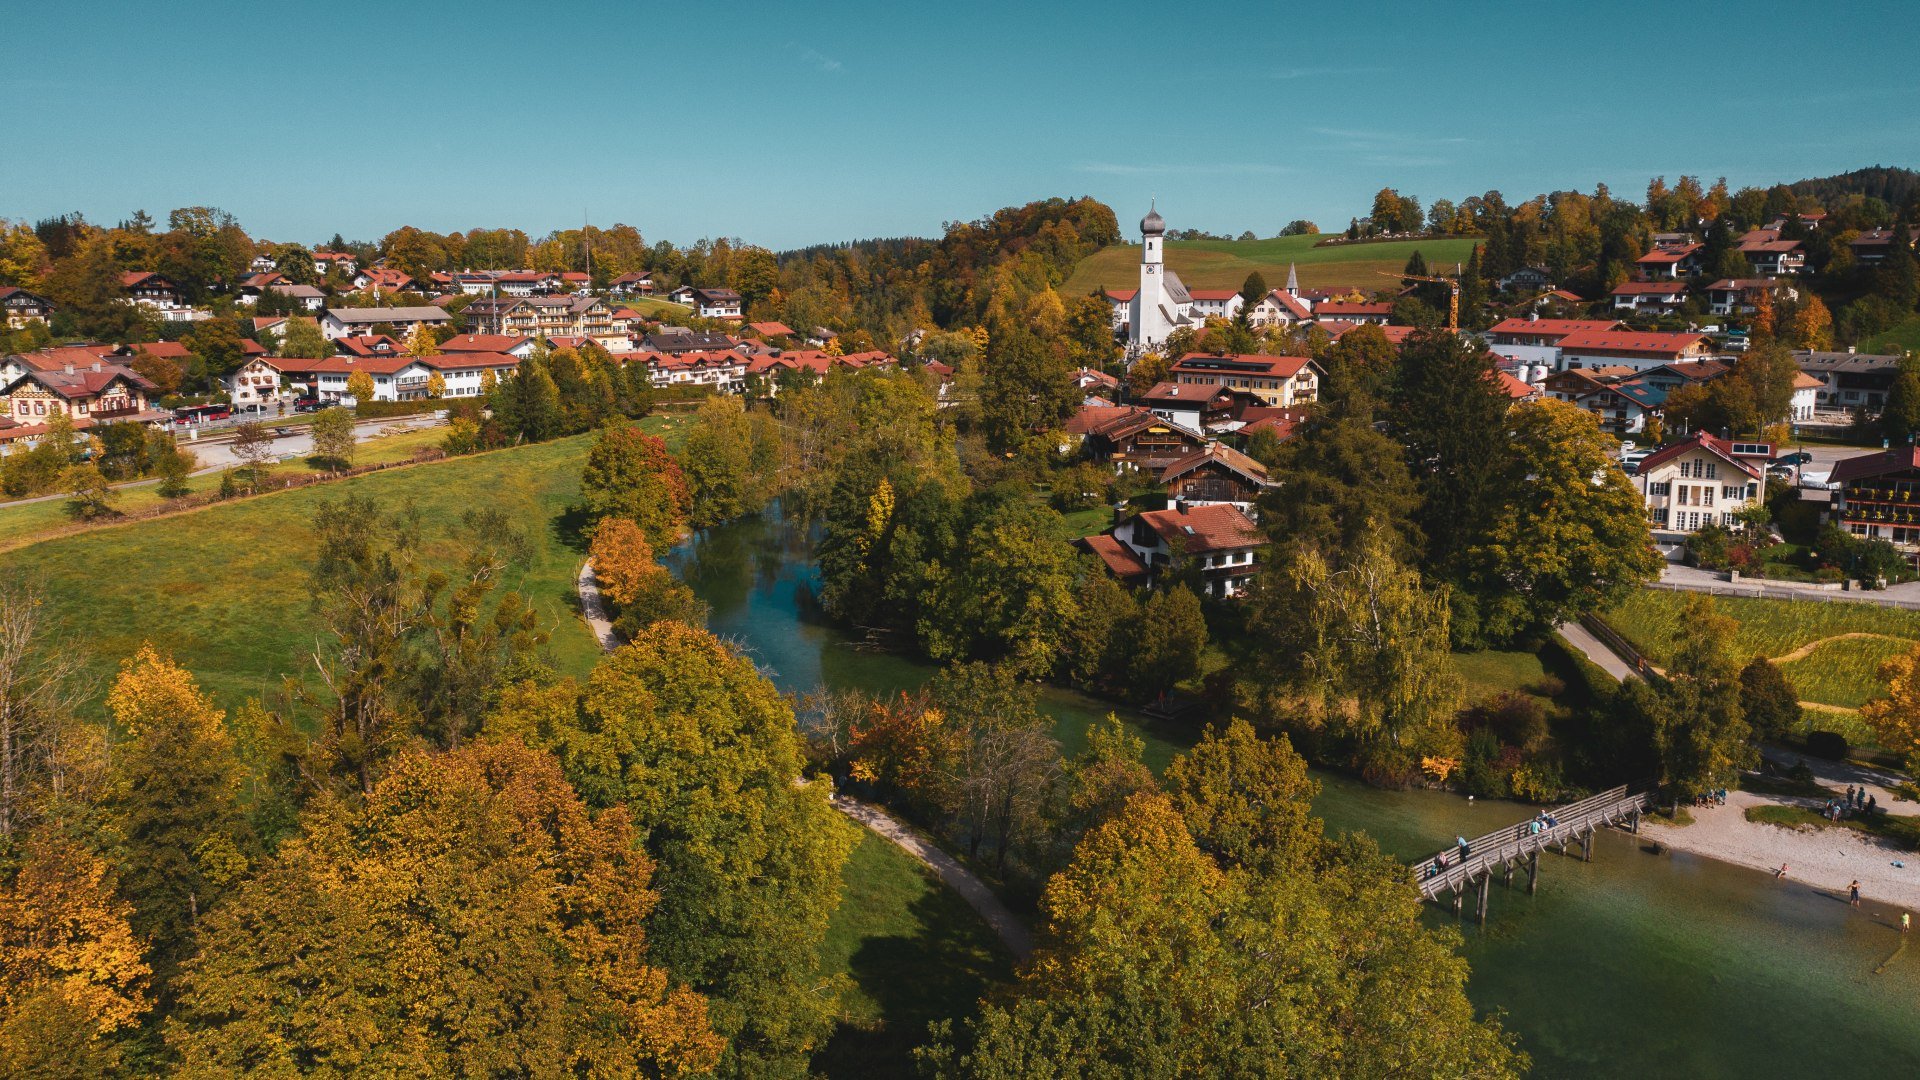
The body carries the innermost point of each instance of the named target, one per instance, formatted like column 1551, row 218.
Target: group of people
column 1716, row 797
column 1856, row 801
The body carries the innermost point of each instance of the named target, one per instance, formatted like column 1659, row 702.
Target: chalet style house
column 96, row 392
column 1742, row 296
column 21, row 307
column 716, row 303
column 159, row 295
column 1220, row 539
column 1702, row 481
column 1276, row 380
column 1637, row 349
column 1878, row 497
column 1649, row 297
column 1215, row 475
column 1130, row 436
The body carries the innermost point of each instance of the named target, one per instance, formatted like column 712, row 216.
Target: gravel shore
column 1826, row 858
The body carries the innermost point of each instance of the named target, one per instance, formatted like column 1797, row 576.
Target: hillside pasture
column 1224, row 264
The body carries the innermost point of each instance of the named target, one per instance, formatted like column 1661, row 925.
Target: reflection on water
column 1638, row 963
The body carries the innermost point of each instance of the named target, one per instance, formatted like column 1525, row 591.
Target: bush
column 378, row 410
column 1827, row 744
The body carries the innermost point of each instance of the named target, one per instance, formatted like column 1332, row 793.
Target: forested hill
column 1890, row 184
column 950, row 281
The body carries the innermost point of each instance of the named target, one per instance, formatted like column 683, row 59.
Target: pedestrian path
column 949, row 870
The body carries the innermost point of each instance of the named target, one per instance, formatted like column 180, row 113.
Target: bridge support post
column 1586, row 845
column 1508, row 865
column 1633, row 822
column 1486, row 882
column 1459, row 898
column 1533, row 871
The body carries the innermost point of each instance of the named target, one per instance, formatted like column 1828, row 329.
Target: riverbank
column 1822, row 859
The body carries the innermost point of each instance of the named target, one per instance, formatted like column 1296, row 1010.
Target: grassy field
column 1839, row 673
column 653, row 308
column 915, row 953
column 1902, row 338
column 224, row 588
column 1224, row 264
column 22, row 523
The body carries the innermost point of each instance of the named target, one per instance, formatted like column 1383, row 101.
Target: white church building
column 1162, row 305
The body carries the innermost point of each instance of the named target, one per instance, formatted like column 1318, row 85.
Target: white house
column 354, row 322
column 1219, row 538
column 1215, row 303
column 257, row 382
column 1660, row 297
column 1701, row 481
column 716, row 303
column 1741, row 296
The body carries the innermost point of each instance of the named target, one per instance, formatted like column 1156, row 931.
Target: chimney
column 96, row 365
column 1180, row 506
column 69, row 367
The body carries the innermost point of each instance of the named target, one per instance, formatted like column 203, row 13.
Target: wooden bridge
column 1450, row 875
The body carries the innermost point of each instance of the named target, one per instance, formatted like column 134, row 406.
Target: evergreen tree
column 1473, row 292
column 1254, row 289
column 1898, row 276
column 1451, row 416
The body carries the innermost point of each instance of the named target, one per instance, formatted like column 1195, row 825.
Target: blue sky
column 794, row 123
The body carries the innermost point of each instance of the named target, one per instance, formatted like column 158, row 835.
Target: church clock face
column 1152, row 270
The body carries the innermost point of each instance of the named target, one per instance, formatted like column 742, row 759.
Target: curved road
column 1005, row 923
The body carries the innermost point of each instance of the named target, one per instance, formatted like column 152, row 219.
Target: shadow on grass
column 936, row 973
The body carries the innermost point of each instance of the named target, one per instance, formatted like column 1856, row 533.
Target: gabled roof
column 483, row 343
column 1213, row 453
column 1700, row 440
column 368, row 345
column 1120, row 296
column 1515, row 388
column 1643, row 342
column 1669, row 254
column 1203, row 529
column 771, row 329
column 1337, row 308
column 1650, row 288
column 1898, row 459
column 1092, row 418
column 1259, row 364
column 1552, row 327
column 369, row 316
column 1290, row 303
column 1118, row 557
column 1745, row 284
column 81, row 382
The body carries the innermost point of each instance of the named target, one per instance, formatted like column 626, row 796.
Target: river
column 1636, row 964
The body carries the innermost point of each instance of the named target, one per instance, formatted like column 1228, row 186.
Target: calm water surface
column 1634, row 965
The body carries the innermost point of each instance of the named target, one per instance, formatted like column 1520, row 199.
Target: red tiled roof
column 1282, row 426
column 1204, row 528
column 1122, row 295
column 1214, row 452
column 1552, row 327
column 1898, row 459
column 771, row 329
column 483, row 343
column 1514, row 388
column 460, row 361
column 1092, row 418
column 1643, row 342
column 1649, row 288
column 1336, row 308
column 1118, row 557
column 368, row 345
column 1669, row 255
column 59, row 356
column 1700, row 440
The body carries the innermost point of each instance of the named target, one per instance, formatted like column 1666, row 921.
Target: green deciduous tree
column 1450, row 415
column 728, row 461
column 629, row 474
column 1005, row 592
column 1768, row 701
column 1701, row 734
column 703, row 751
column 1567, row 533
column 333, row 437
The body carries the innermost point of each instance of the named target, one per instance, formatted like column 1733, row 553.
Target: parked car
column 306, row 404
column 1794, row 460
column 1631, row 459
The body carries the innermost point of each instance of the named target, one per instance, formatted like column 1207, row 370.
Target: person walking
column 1853, row 893
column 1906, row 921
column 1782, row 872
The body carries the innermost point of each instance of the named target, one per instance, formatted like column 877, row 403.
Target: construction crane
column 1453, row 293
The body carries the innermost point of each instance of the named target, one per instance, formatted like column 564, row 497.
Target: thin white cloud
column 1387, row 138
column 815, row 57
column 1323, row 72
column 1178, row 168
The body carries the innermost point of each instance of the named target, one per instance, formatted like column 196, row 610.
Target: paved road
column 216, row 456
column 1580, row 638
column 948, row 869
column 1674, row 576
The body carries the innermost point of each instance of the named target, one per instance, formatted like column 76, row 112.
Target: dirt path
column 975, row 892
column 1806, row 650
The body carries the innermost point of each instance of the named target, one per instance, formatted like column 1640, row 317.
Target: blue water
column 1636, row 964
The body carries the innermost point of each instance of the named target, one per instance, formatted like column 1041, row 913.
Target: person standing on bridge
column 1464, row 849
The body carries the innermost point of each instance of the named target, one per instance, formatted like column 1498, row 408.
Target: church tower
column 1151, row 323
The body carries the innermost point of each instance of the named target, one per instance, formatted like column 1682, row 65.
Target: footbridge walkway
column 1448, row 876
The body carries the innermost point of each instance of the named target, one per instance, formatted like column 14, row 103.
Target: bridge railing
column 1514, row 841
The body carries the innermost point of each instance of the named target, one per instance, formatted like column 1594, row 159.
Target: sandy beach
column 1821, row 858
